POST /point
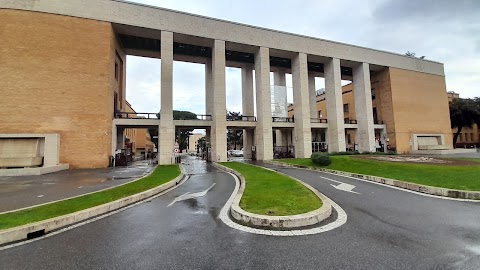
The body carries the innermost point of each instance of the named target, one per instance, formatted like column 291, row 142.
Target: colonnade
column 261, row 137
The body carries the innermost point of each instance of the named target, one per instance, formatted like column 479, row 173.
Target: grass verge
column 162, row 174
column 453, row 177
column 273, row 194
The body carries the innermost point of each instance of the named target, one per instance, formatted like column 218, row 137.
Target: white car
column 237, row 153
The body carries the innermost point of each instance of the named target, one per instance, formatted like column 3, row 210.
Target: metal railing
column 378, row 122
column 351, row 121
column 319, row 147
column 201, row 117
column 135, row 115
column 318, row 120
column 242, row 118
column 283, row 119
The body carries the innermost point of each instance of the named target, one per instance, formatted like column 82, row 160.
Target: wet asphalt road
column 24, row 191
column 386, row 229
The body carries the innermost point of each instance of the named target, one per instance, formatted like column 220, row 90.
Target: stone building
column 63, row 66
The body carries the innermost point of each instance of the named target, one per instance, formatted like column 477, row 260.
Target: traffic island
column 38, row 220
column 273, row 200
column 455, row 178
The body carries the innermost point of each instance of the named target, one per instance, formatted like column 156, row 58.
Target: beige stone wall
column 57, row 76
column 420, row 105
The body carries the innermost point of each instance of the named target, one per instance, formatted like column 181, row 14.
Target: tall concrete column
column 120, row 137
column 301, row 106
column 312, row 95
column 114, row 139
column 362, row 90
column 166, row 129
column 208, row 88
column 263, row 131
column 333, row 97
column 279, row 80
column 248, row 108
column 219, row 113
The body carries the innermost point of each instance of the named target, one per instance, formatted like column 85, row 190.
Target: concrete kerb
column 21, row 232
column 436, row 191
column 294, row 221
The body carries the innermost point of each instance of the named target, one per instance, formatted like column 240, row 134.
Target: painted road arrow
column 341, row 186
column 189, row 195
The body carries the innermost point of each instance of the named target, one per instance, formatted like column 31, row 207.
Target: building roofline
column 270, row 29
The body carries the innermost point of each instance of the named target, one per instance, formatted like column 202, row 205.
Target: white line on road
column 189, row 195
column 342, row 186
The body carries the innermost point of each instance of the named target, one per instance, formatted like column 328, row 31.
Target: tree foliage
column 202, row 144
column 413, row 55
column 464, row 113
column 234, row 136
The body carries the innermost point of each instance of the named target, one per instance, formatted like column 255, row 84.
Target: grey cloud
column 427, row 10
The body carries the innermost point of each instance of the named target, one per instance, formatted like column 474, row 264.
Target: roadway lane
column 24, row 191
column 386, row 229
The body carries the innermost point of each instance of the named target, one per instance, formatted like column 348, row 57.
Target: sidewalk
column 24, row 191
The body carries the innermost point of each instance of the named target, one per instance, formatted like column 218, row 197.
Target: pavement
column 23, row 191
column 386, row 229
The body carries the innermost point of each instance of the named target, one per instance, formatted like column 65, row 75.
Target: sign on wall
column 279, row 101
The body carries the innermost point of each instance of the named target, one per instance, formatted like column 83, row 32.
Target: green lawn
column 469, row 159
column 273, row 194
column 161, row 175
column 446, row 176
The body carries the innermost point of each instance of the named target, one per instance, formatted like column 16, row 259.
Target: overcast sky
column 442, row 30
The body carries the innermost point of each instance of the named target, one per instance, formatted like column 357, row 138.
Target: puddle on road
column 194, row 165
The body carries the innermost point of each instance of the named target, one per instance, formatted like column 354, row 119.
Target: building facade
column 63, row 71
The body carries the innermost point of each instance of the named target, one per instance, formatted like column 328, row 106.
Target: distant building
column 138, row 137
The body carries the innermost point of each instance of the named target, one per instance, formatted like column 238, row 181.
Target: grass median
column 270, row 193
column 162, row 174
column 446, row 176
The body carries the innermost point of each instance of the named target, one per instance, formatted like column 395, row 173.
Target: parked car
column 237, row 153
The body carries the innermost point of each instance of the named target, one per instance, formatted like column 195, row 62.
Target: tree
column 202, row 144
column 413, row 55
column 464, row 113
column 234, row 136
column 183, row 134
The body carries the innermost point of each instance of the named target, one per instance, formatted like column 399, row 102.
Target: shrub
column 321, row 159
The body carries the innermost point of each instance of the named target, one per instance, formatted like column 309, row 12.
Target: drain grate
column 35, row 234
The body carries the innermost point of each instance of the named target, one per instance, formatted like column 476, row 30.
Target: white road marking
column 345, row 187
column 342, row 186
column 189, row 195
column 39, row 196
column 399, row 188
column 224, row 216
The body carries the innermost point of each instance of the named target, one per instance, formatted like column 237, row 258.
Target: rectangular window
column 116, row 71
column 320, row 114
column 472, row 136
column 373, row 93
column 345, row 108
